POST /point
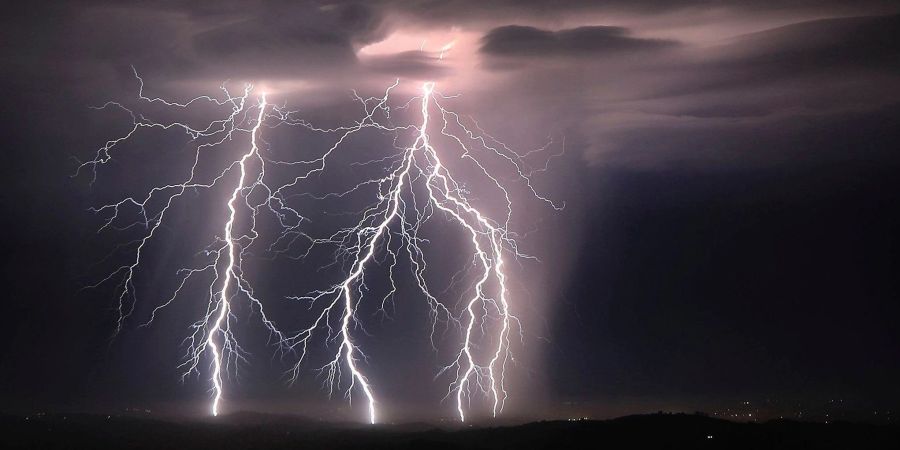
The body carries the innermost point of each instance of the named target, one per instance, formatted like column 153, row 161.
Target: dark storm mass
column 730, row 173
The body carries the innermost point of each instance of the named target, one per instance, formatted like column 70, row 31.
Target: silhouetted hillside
column 259, row 431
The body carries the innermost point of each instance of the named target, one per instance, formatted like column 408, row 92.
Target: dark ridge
column 254, row 430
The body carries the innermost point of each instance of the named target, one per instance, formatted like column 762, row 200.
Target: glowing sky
column 728, row 171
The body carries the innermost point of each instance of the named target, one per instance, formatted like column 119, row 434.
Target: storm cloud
column 652, row 108
column 513, row 40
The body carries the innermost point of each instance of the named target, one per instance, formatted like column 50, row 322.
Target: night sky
column 730, row 174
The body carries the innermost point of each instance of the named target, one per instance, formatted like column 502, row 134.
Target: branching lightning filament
column 415, row 187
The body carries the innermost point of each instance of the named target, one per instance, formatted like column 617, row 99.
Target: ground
column 261, row 432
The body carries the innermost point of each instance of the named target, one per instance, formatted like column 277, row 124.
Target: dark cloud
column 672, row 105
column 275, row 44
column 522, row 41
column 175, row 42
column 413, row 64
column 833, row 66
column 480, row 12
column 821, row 48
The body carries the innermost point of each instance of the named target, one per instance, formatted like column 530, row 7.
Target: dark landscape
column 249, row 431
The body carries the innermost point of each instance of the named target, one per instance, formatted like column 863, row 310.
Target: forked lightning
column 416, row 187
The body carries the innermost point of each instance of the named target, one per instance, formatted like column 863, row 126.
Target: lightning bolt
column 224, row 256
column 231, row 268
column 416, row 188
column 421, row 162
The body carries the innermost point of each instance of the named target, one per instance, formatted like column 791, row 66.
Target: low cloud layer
column 611, row 75
column 644, row 102
column 589, row 41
